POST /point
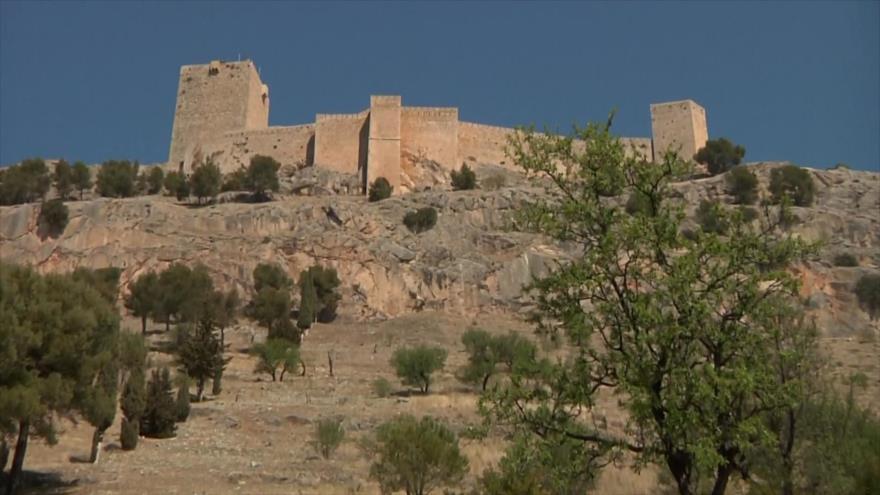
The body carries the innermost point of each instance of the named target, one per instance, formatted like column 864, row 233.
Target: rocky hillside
column 468, row 262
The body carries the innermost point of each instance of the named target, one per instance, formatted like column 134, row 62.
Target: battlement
column 341, row 116
column 385, row 100
column 445, row 113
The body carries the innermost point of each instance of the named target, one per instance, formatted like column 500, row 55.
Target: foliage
column 142, row 184
column 867, row 291
column 129, row 434
column 155, row 179
column 328, row 436
column 415, row 455
column 308, row 302
column 325, row 282
column 271, row 275
column 82, row 178
column 742, row 184
column 62, row 177
column 205, row 181
column 116, row 179
column 104, row 280
column 271, row 307
column 133, row 403
column 681, row 329
column 161, row 411
column 200, row 355
column 710, row 215
column 420, row 220
column 143, row 296
column 845, row 259
column 638, row 204
column 25, row 182
column 486, row 352
column 414, row 366
column 187, row 295
column 181, row 404
column 262, row 176
column 720, row 155
column 54, row 215
column 464, row 179
column 381, row 387
column 176, row 185
column 380, row 189
column 235, row 181
column 276, row 357
column 793, row 182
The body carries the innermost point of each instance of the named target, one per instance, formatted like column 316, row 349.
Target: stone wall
column 478, row 144
column 679, row 126
column 383, row 158
column 340, row 141
column 293, row 145
column 428, row 139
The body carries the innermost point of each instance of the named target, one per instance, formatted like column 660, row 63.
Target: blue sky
column 790, row 81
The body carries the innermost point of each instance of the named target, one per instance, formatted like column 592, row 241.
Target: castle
column 222, row 114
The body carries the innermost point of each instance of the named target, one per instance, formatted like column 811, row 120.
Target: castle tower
column 678, row 126
column 213, row 99
column 383, row 156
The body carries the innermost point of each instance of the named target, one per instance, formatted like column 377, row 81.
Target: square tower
column 383, row 156
column 678, row 126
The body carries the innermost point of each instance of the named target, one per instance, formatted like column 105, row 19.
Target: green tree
column 271, row 307
column 25, row 182
column 200, row 355
column 793, row 182
column 414, row 366
column 276, row 357
column 155, row 180
column 160, row 412
column 62, row 177
column 133, row 404
column 380, row 189
column 308, row 301
column 143, row 296
column 271, row 275
column 710, row 215
column 205, row 181
column 116, row 178
column 181, row 405
column 262, row 176
column 720, row 155
column 639, row 204
column 464, row 179
column 420, row 220
column 186, row 295
column 681, row 328
column 235, row 181
column 54, row 216
column 318, row 295
column 867, row 291
column 328, row 436
column 742, row 184
column 82, row 178
column 104, row 280
column 98, row 399
column 173, row 183
column 486, row 352
column 53, row 332
column 416, row 455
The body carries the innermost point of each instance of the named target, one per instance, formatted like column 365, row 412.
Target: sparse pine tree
column 155, row 179
column 63, row 179
column 144, row 294
column 200, row 355
column 82, row 178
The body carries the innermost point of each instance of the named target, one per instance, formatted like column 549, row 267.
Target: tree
column 54, row 216
column 262, row 176
column 711, row 217
column 681, row 328
column 200, row 355
column 328, row 436
column 143, row 296
column 54, row 332
column 183, row 293
column 326, row 281
column 82, row 178
column 793, row 182
column 742, row 184
column 719, row 155
column 116, row 178
column 380, row 189
column 414, row 366
column 104, row 280
column 98, row 399
column 62, row 177
column 182, row 405
column 133, row 403
column 486, row 352
column 867, row 291
column 271, row 307
column 155, row 179
column 420, row 220
column 308, row 302
column 271, row 275
column 416, row 455
column 235, row 181
column 175, row 184
column 160, row 412
column 205, row 181
column 276, row 357
column 464, row 179
column 25, row 182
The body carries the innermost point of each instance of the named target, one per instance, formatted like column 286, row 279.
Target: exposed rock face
column 468, row 262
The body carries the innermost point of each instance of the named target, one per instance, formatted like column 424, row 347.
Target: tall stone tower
column 678, row 126
column 213, row 99
column 383, row 156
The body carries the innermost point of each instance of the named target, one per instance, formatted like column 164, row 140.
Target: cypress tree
column 160, row 413
column 182, row 406
column 308, row 301
column 133, row 403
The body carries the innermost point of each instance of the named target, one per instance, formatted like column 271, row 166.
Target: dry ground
column 255, row 436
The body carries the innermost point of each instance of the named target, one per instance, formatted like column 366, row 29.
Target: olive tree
column 415, row 365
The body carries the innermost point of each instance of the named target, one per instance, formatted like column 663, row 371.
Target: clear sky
column 790, row 80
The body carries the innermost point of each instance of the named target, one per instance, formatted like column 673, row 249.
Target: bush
column 748, row 214
column 322, row 297
column 742, row 184
column 129, row 434
column 155, row 179
column 464, row 179
column 380, row 189
column 845, row 259
column 794, row 182
column 160, row 412
column 62, row 177
column 54, row 215
column 133, row 403
column 205, row 181
column 414, row 366
column 381, row 387
column 235, row 181
column 271, row 275
column 486, row 352
column 173, row 182
column 262, row 176
column 276, row 357
column 494, row 182
column 415, row 455
column 25, row 182
column 868, row 293
column 116, row 179
column 82, row 178
column 420, row 220
column 711, row 217
column 182, row 405
column 719, row 155
column 328, row 436
column 638, row 204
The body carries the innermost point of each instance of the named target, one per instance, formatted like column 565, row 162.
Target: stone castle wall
column 383, row 154
column 478, row 143
column 289, row 145
column 678, row 126
column 428, row 137
column 340, row 141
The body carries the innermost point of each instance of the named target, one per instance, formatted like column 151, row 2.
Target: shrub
column 381, row 387
column 262, row 176
column 129, row 434
column 380, row 189
column 414, row 366
column 324, row 282
column 116, row 179
column 155, row 179
column 82, row 178
column 271, row 275
column 748, row 214
column 794, row 182
column 420, row 220
column 742, row 184
column 464, row 179
column 205, row 181
column 328, row 436
column 173, row 182
column 62, row 177
column 415, row 455
column 160, row 412
column 493, row 182
column 25, row 182
column 181, row 405
column 54, row 215
column 235, row 181
column 868, row 293
column 271, row 307
column 276, row 357
column 845, row 259
column 719, row 155
column 308, row 302
column 486, row 352
column 133, row 403
column 711, row 217
column 638, row 204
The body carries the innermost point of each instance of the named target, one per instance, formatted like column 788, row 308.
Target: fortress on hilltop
column 222, row 114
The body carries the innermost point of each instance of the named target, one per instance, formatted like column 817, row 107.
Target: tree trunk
column 97, row 440
column 18, row 458
column 303, row 364
column 167, row 324
column 721, row 478
column 4, row 454
column 200, row 389
column 486, row 381
column 330, row 362
column 144, row 325
column 217, row 384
